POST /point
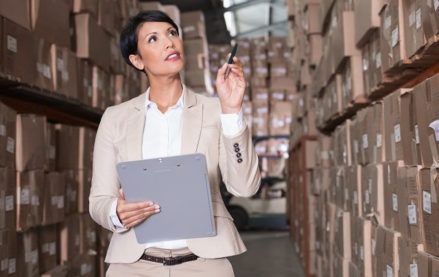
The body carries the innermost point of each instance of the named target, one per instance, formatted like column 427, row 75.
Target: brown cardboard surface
column 7, row 136
column 53, row 27
column 31, row 142
column 193, row 24
column 101, row 88
column 367, row 19
column 71, row 191
column 106, row 14
column 353, row 194
column 409, row 263
column 433, row 117
column 392, row 200
column 58, row 271
column 48, row 247
column 44, row 76
column 28, row 260
column 19, row 52
column 89, row 6
column 50, row 147
column 429, row 183
column 92, row 42
column 361, row 236
column 77, row 155
column 360, row 138
column 16, row 11
column 70, row 238
column 54, row 198
column 64, row 71
column 85, row 82
column 376, row 130
column 415, row 12
column 387, row 252
column 84, row 181
column 343, row 234
column 260, row 118
column 342, row 146
column 280, row 118
column 344, row 35
column 29, row 199
column 88, row 234
column 352, row 81
column 83, row 265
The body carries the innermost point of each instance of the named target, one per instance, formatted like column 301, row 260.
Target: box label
column 435, row 126
column 362, row 253
column 356, row 147
column 395, row 37
column 426, row 201
column 35, row 200
column 417, row 134
column 61, row 202
column 9, row 203
column 397, row 130
column 25, row 197
column 355, row 198
column 365, row 141
column 412, row 18
column 378, row 60
column 418, row 18
column 389, row 271
column 413, row 220
column 4, row 264
column 394, row 202
column 60, row 64
column 45, row 248
column 12, row 44
column 52, row 248
column 2, row 130
column 379, row 140
column 366, row 197
column 12, row 268
column 413, row 270
column 10, row 145
column 387, row 22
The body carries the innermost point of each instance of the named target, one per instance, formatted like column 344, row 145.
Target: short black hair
column 128, row 37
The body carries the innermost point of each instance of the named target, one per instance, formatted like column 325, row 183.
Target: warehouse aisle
column 269, row 254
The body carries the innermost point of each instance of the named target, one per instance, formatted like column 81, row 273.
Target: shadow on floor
column 269, row 254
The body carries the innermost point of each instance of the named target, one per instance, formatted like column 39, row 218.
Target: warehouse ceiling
column 244, row 18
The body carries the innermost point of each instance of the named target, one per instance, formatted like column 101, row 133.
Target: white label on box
column 378, row 60
column 395, row 202
column 435, row 126
column 387, row 22
column 355, row 249
column 12, row 268
column 365, row 64
column 426, row 201
column 188, row 29
column 52, row 248
column 54, row 200
column 4, row 264
column 397, row 130
column 45, row 248
column 12, row 44
column 34, row 256
column 325, row 155
column 10, row 145
column 366, row 197
column 355, row 198
column 417, row 134
column 61, row 202
column 60, row 64
column 413, row 270
column 412, row 18
column 436, row 4
column 365, row 141
column 395, row 37
column 25, row 197
column 418, row 18
column 2, row 130
column 389, row 271
column 52, row 152
column 346, row 194
column 35, row 200
column 301, row 102
column 9, row 203
column 362, row 253
column 374, row 244
column 65, row 76
column 379, row 140
column 412, row 214
column 388, row 174
column 27, row 257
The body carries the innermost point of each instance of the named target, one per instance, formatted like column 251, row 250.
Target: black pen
column 230, row 61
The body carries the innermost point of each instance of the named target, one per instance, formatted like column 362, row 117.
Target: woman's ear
column 137, row 62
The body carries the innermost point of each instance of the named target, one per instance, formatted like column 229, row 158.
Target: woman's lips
column 173, row 56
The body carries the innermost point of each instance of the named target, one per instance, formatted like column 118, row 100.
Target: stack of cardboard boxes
column 374, row 176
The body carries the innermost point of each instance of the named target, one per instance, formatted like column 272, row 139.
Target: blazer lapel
column 192, row 119
column 135, row 126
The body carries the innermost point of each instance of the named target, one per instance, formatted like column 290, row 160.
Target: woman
column 169, row 119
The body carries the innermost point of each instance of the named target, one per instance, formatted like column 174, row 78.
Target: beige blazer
column 119, row 138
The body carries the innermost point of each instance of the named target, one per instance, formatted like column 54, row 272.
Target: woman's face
column 160, row 49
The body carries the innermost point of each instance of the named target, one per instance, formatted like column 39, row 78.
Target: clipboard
column 180, row 186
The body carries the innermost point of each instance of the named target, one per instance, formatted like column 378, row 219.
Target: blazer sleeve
column 105, row 185
column 239, row 164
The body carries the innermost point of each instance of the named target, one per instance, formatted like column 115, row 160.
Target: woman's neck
column 165, row 91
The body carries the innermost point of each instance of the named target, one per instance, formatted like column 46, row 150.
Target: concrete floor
column 269, row 254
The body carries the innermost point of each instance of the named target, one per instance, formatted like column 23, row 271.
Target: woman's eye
column 173, row 32
column 152, row 39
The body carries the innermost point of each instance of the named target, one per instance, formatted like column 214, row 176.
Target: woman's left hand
column 231, row 88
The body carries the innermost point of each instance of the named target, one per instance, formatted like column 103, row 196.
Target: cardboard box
column 29, row 199
column 58, row 271
column 7, row 136
column 120, row 88
column 70, row 238
column 151, row 6
column 17, row 11
column 92, row 42
column 52, row 27
column 173, row 12
column 393, row 47
column 50, row 147
column 18, row 52
column 367, row 19
column 392, row 200
column 44, row 78
column 360, row 138
column 9, row 252
column 343, row 234
column 353, row 191
column 428, row 265
column 260, row 82
column 418, row 16
column 28, row 261
column 427, row 118
column 278, row 69
column 387, row 254
column 53, row 201
column 85, row 83
column 376, row 131
column 260, row 118
column 106, row 14
column 342, row 144
column 101, row 88
column 361, row 235
column 48, row 247
column 71, row 192
column 86, row 6
column 77, row 155
column 84, row 181
column 88, row 234
column 373, row 192
column 280, row 118
column 64, row 71
column 352, row 82
column 83, row 265
column 31, row 142
column 428, row 179
column 193, row 25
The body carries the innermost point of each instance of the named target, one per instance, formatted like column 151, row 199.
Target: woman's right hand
column 131, row 214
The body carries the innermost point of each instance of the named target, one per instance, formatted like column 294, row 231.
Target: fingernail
column 149, row 203
column 156, row 206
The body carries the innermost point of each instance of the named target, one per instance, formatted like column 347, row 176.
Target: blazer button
column 239, row 160
column 235, row 145
column 237, row 149
column 238, row 155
